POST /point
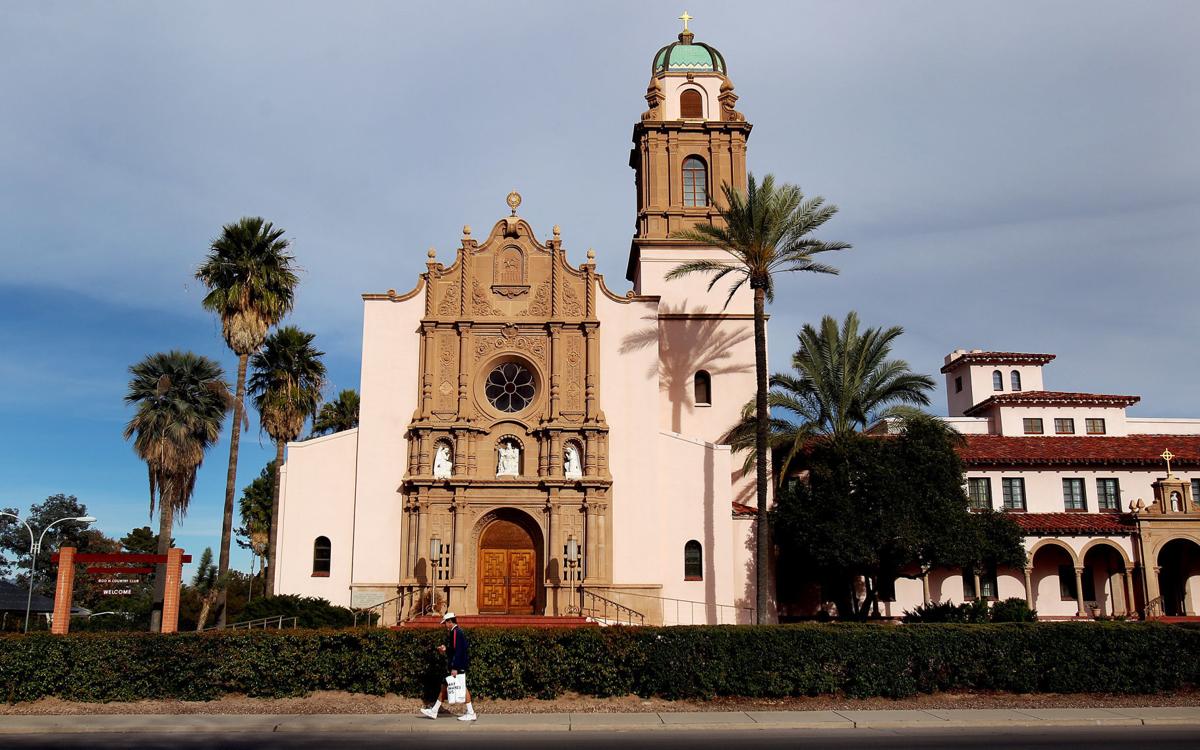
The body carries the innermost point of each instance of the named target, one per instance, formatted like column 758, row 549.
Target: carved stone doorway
column 508, row 569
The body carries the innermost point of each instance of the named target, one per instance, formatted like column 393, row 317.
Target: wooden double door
column 508, row 565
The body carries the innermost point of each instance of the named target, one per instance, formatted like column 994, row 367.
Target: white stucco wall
column 708, row 85
column 317, row 499
column 390, row 371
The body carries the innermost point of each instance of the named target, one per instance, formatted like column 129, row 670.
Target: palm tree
column 286, row 387
column 205, row 584
column 181, row 401
column 766, row 230
column 251, row 281
column 339, row 414
column 844, row 381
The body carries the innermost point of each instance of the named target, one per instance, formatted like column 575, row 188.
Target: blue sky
column 1013, row 176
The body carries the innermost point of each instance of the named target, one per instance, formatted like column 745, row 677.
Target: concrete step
column 506, row 621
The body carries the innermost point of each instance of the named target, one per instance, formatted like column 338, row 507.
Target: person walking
column 458, row 658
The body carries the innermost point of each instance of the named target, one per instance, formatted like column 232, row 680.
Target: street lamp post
column 572, row 564
column 35, row 548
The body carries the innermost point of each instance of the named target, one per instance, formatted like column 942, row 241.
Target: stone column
column 170, row 610
column 1128, row 588
column 64, row 591
column 464, row 354
column 1079, row 591
column 591, row 343
column 1029, row 587
column 555, row 369
column 925, row 586
column 427, row 371
column 589, row 568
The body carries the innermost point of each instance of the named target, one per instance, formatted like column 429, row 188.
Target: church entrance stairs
column 506, row 621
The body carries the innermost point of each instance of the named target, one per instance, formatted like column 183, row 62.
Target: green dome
column 685, row 56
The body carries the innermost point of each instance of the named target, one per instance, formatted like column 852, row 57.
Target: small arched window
column 695, row 182
column 322, row 553
column 691, row 104
column 1015, row 379
column 693, row 561
column 997, row 381
column 703, row 383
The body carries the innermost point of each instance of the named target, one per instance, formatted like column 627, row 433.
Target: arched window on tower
column 703, row 384
column 322, row 554
column 1015, row 378
column 997, row 380
column 695, row 182
column 693, row 561
column 691, row 105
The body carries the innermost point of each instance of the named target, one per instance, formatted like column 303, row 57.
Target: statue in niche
column 572, row 466
column 443, row 464
column 508, row 463
column 1176, row 503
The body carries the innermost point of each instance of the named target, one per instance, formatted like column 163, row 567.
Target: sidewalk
column 581, row 722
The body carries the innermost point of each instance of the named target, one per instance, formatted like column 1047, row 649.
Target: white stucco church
column 536, row 441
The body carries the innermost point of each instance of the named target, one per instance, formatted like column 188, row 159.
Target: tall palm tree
column 251, row 279
column 286, row 388
column 766, row 230
column 205, row 584
column 181, row 400
column 844, row 381
column 339, row 414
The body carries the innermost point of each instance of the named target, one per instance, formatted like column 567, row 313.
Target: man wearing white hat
column 458, row 657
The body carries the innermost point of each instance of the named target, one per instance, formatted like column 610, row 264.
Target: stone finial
column 466, row 231
column 432, row 253
column 557, row 231
column 591, row 255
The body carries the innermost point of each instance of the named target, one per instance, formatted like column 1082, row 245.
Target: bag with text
column 456, row 688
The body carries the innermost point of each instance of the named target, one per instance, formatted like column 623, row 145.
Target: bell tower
column 686, row 146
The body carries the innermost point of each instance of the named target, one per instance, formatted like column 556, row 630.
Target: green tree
column 766, row 230
column 181, row 399
column 14, row 540
column 142, row 541
column 844, row 379
column 254, row 507
column 251, row 279
column 205, row 585
column 338, row 415
column 873, row 507
column 286, row 387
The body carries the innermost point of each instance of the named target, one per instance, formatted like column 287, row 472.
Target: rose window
column 509, row 387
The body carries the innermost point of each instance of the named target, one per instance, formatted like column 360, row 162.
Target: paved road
column 1092, row 738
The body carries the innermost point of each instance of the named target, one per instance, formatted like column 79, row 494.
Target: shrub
column 856, row 660
column 310, row 611
column 1014, row 609
column 936, row 612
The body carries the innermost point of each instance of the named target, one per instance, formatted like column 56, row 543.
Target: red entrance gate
column 65, row 587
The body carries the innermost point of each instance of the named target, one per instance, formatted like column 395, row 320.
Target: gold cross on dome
column 1167, row 455
column 685, row 18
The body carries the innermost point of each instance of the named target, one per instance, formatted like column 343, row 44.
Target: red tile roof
column 1074, row 524
column 1052, row 398
column 741, row 509
column 996, row 358
column 1079, row 450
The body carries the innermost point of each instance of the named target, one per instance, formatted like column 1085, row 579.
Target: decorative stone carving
column 480, row 302
column 443, row 464
column 571, row 304
column 510, row 338
column 539, row 306
column 449, row 306
column 508, row 463
column 572, row 466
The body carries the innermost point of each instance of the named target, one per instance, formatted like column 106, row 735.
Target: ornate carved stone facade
column 528, row 308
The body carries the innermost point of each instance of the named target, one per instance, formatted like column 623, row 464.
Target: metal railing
column 375, row 613
column 690, row 612
column 601, row 607
column 278, row 622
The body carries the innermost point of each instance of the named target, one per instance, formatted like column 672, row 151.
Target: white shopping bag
column 456, row 688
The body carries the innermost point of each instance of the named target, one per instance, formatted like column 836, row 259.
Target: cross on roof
column 1167, row 455
column 685, row 18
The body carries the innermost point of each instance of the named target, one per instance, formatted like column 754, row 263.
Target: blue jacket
column 457, row 653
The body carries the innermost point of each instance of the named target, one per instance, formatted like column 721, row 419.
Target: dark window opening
column 695, row 182
column 322, row 554
column 691, row 104
column 1016, row 380
column 703, row 382
column 693, row 561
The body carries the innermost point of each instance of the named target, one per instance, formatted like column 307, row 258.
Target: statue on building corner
column 572, row 466
column 443, row 465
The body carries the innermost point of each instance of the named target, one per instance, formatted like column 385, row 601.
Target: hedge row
column 678, row 662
